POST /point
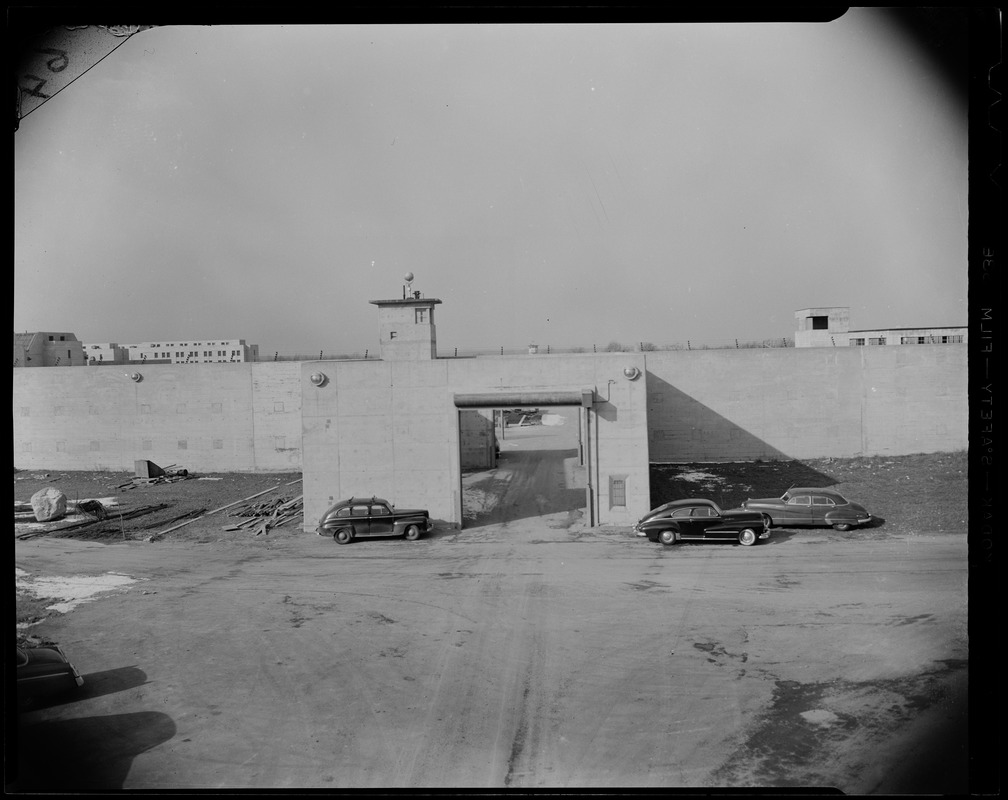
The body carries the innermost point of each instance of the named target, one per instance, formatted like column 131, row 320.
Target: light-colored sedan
column 801, row 506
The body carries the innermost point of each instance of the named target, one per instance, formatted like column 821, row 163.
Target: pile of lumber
column 263, row 516
column 264, row 528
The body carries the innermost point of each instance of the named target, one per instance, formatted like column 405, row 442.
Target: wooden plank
column 209, row 513
column 290, row 503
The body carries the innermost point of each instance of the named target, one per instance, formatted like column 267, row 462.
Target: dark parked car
column 699, row 520
column 44, row 672
column 804, row 506
column 360, row 518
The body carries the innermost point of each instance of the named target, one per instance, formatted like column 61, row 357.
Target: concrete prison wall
column 202, row 417
column 794, row 403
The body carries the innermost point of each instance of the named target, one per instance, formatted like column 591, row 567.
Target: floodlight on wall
column 136, row 377
column 631, row 373
column 318, row 379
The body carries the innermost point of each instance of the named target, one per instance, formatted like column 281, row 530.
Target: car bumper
column 860, row 522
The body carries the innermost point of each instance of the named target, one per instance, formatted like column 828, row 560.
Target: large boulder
column 49, row 504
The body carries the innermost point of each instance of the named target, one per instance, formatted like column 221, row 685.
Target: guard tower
column 407, row 326
column 822, row 327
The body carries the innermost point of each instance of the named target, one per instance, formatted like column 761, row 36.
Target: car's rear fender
column 845, row 517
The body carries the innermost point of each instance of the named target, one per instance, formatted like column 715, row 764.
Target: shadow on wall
column 697, row 452
column 682, row 429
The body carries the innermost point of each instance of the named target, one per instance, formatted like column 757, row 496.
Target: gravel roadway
column 530, row 653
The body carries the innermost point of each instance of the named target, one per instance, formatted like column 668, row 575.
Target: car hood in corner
column 44, row 655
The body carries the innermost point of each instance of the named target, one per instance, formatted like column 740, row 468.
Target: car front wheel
column 747, row 537
column 667, row 537
column 841, row 526
column 342, row 536
column 767, row 522
column 412, row 533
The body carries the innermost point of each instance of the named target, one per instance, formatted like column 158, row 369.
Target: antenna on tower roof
column 407, row 289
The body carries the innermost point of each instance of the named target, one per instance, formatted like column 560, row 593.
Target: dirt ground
column 527, row 655
column 526, row 652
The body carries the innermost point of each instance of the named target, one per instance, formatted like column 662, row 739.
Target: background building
column 192, row 351
column 48, row 349
column 98, row 353
column 830, row 327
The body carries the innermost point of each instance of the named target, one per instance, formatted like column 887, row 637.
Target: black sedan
column 370, row 517
column 698, row 520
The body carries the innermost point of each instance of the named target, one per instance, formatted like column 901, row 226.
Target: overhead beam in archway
column 582, row 398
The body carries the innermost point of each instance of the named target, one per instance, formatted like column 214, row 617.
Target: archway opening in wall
column 521, row 462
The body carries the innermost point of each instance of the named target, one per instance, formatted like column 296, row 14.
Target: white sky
column 566, row 185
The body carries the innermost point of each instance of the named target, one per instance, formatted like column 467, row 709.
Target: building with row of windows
column 830, row 327
column 62, row 349
column 202, row 351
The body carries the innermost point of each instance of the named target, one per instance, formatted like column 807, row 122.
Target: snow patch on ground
column 699, row 477
column 819, row 716
column 478, row 501
column 73, row 590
